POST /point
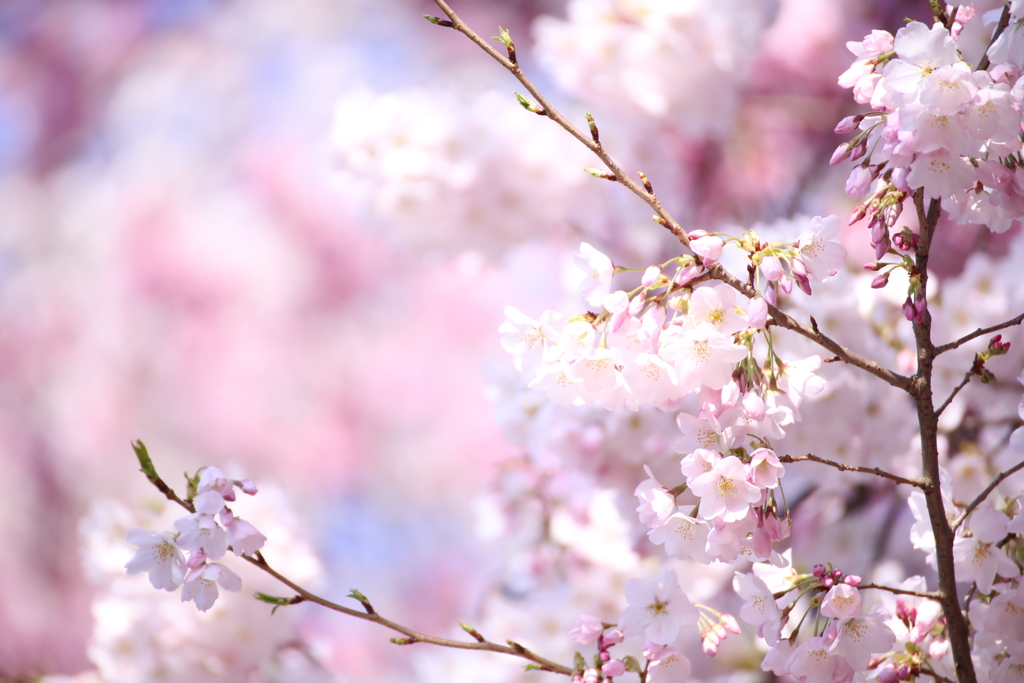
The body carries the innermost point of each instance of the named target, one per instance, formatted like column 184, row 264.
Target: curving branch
column 369, row 614
column 980, row 332
column 302, row 595
column 663, row 217
column 785, row 321
column 587, row 139
column 878, row 472
column 984, row 494
column 956, row 390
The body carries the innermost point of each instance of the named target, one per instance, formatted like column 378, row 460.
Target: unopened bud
column 881, row 280
column 848, row 124
column 438, row 21
column 593, row 128
column 841, row 154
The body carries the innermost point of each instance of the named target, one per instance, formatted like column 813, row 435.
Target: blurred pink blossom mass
column 279, row 238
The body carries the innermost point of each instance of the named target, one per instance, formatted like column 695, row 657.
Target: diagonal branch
column 302, row 595
column 984, row 494
column 553, row 114
column 979, row 333
column 786, row 321
column 513, row 648
column 664, row 217
column 854, row 468
column 956, row 390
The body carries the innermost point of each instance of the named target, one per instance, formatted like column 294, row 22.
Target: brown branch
column 646, row 193
column 979, row 333
column 411, row 636
column 786, row 321
column 854, row 468
column 928, row 423
column 900, row 591
column 984, row 494
column 585, row 138
column 952, row 395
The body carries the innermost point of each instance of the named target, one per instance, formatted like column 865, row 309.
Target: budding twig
column 302, row 595
column 980, row 332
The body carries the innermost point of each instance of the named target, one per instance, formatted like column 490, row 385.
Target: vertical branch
column 928, row 421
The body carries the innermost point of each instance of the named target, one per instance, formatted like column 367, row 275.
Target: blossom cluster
column 206, row 535
column 842, row 643
column 699, row 350
column 936, row 124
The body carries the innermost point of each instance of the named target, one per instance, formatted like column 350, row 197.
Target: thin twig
column 651, row 199
column 978, row 333
column 918, row 483
column 786, row 321
column 514, row 649
column 411, row 636
column 984, row 494
column 900, row 591
column 949, row 399
column 585, row 138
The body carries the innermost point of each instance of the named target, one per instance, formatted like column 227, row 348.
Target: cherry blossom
column 657, row 609
column 159, row 556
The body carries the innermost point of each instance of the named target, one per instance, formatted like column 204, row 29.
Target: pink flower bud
column 613, row 637
column 708, row 248
column 688, row 273
column 247, row 487
column 882, row 248
column 848, row 124
column 908, row 309
column 616, row 667
column 757, row 313
column 771, row 268
column 859, row 183
column 881, row 281
column 858, row 151
column 852, row 580
column 887, row 675
column 841, row 154
column 818, row 570
column 650, row 276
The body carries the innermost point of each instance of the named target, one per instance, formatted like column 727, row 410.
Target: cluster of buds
column 996, row 347
column 830, row 576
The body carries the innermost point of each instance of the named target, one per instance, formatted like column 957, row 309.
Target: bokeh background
column 279, row 237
